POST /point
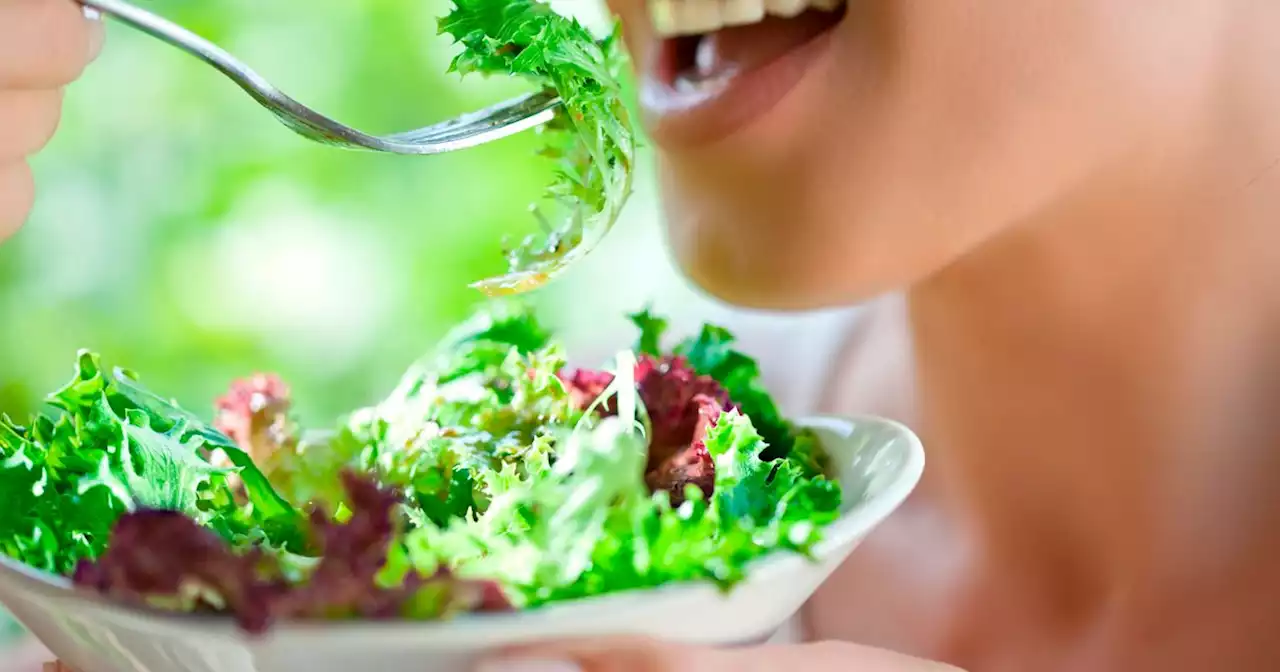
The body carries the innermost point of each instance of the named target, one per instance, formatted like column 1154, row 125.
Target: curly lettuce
column 165, row 559
column 711, row 353
column 597, row 513
column 106, row 447
column 492, row 477
column 591, row 140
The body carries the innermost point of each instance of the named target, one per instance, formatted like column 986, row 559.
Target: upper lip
column 679, row 118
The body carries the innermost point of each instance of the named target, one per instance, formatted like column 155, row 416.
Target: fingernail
column 97, row 32
column 528, row 665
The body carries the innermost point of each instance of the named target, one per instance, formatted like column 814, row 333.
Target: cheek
column 884, row 168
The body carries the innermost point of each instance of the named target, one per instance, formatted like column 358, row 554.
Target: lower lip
column 687, row 119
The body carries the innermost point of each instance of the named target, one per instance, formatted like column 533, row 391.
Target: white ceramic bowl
column 877, row 462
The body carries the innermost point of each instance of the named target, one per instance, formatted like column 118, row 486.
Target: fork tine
column 486, row 125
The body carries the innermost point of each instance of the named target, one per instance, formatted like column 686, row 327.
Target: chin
column 780, row 260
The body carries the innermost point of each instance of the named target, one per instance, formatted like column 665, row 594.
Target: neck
column 1102, row 381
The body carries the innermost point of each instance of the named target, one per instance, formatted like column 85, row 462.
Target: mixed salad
column 492, row 478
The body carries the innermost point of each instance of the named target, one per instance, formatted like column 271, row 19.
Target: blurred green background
column 185, row 234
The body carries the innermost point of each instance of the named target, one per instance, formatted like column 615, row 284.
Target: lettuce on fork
column 591, row 139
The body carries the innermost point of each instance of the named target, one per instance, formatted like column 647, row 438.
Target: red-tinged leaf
column 255, row 414
column 586, row 385
column 670, row 390
column 693, row 464
column 164, row 559
column 680, row 403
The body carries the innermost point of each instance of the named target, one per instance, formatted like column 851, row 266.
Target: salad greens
column 108, row 448
column 492, row 477
column 591, row 139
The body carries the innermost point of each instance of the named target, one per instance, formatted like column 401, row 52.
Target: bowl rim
column 858, row 520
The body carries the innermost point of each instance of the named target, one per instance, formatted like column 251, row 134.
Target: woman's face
column 819, row 160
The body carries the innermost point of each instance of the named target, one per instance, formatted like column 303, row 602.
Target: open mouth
column 738, row 55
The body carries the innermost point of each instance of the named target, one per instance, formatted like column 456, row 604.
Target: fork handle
column 289, row 111
column 478, row 128
column 175, row 35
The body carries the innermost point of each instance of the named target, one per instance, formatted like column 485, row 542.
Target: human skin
column 1066, row 214
column 1072, row 207
column 44, row 45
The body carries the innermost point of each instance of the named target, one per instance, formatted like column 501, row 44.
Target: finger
column 30, row 118
column 97, row 34
column 17, row 194
column 826, row 657
column 603, row 655
column 642, row 655
column 44, row 44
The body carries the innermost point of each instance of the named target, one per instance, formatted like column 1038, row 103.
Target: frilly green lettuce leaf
column 585, row 523
column 494, row 471
column 652, row 328
column 591, row 140
column 753, row 492
column 481, row 402
column 711, row 353
column 107, row 447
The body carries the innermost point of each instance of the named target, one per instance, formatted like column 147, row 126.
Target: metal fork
column 468, row 130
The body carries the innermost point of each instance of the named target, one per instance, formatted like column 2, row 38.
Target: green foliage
column 104, row 447
column 591, row 140
column 711, row 353
column 197, row 239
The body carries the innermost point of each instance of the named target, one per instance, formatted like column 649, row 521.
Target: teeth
column 785, row 8
column 744, row 12
column 672, row 18
column 704, row 59
column 663, row 15
column 698, row 16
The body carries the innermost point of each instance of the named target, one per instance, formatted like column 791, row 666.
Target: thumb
column 97, row 32
column 613, row 654
column 646, row 655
